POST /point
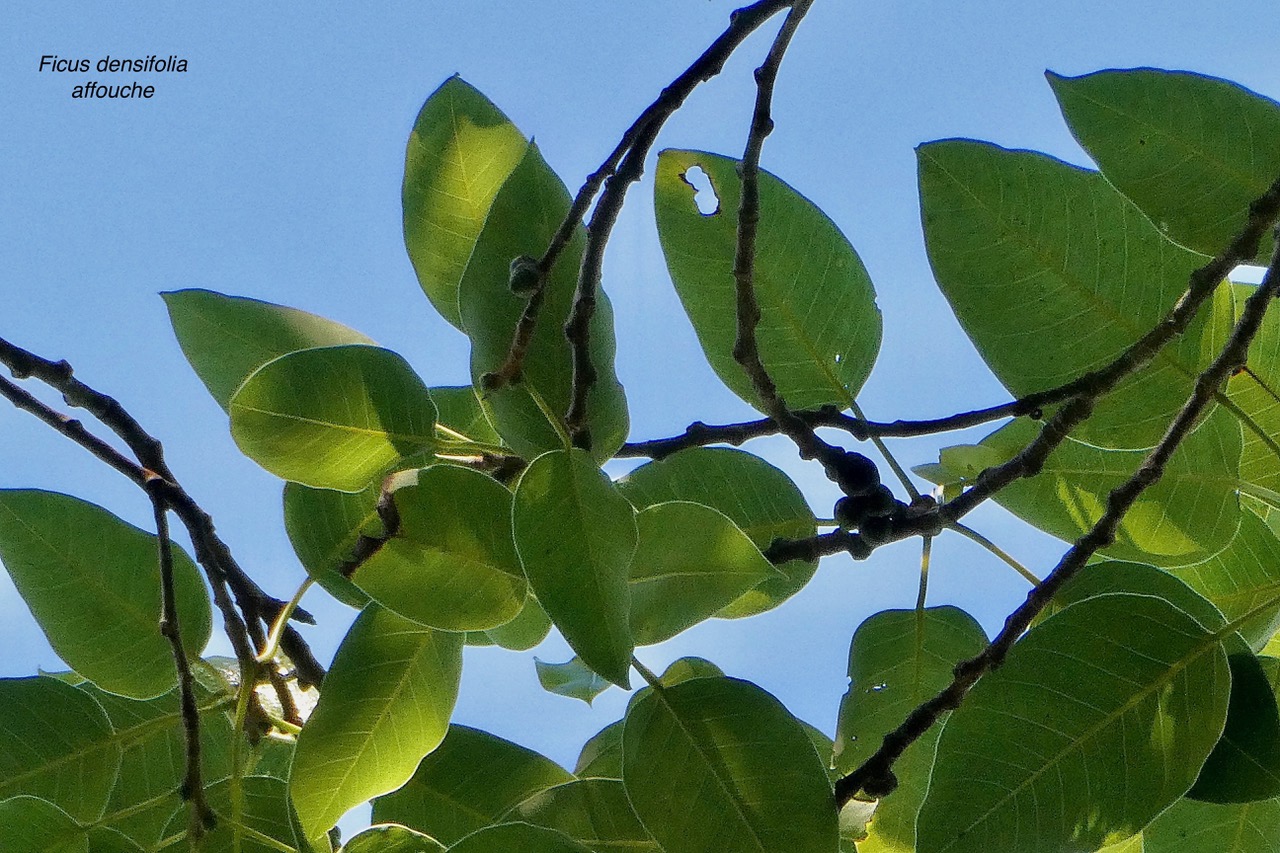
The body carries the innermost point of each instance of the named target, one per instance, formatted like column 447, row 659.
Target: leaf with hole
column 386, row 704
column 334, row 417
column 819, row 332
column 92, row 581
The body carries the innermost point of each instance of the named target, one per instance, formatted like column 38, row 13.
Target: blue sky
column 272, row 169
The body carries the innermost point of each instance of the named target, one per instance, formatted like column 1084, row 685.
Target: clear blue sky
column 272, row 169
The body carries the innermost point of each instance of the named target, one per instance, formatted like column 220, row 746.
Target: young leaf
column 390, row 838
column 508, row 837
column 92, row 581
column 56, row 743
column 1052, row 273
column 572, row 678
column 1118, row 693
column 461, row 150
column 1192, row 513
column 386, row 703
column 576, row 535
column 756, row 496
column 469, row 782
column 324, row 526
column 1191, row 151
column 452, row 564
column 719, row 764
column 601, row 756
column 594, row 812
column 334, row 417
column 32, row 825
column 1210, row 828
column 690, row 561
column 820, row 328
column 524, row 217
column 225, row 338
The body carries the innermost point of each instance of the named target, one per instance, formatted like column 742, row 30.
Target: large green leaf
column 1052, row 273
column 324, row 526
column 32, row 825
column 1192, row 513
column 263, row 819
column 525, row 837
column 461, row 150
column 1099, row 719
column 386, row 703
column 56, row 743
column 1191, row 151
column 469, row 782
column 225, row 338
column 92, row 581
column 690, row 562
column 1256, row 391
column 819, row 332
column 524, row 217
column 719, row 764
column 576, row 536
column 334, row 417
column 593, row 812
column 759, row 498
column 390, row 838
column 452, row 563
column 573, row 678
column 105, row 840
column 1192, row 827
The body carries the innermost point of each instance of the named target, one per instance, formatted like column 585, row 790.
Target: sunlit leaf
column 1209, row 828
column 1135, row 716
column 508, row 837
column 460, row 409
column 576, row 536
column 530, row 627
column 452, row 563
column 719, row 764
column 759, row 498
column 469, row 782
column 386, row 703
column 524, row 217
column 324, row 526
column 92, row 581
column 56, row 743
column 225, row 338
column 1191, row 151
column 572, row 678
column 460, row 151
column 334, row 417
column 32, row 825
column 389, row 838
column 1052, row 273
column 1256, row 390
column 819, row 332
column 594, row 812
column 690, row 561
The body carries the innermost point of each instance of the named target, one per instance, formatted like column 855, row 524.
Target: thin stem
column 282, row 621
column 970, row 533
column 926, row 551
column 646, row 673
column 898, row 470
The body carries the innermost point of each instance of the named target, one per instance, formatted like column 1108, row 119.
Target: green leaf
column 528, row 629
column 1211, row 828
column 386, row 703
column 264, row 812
column 32, row 825
column 719, row 764
column 820, row 329
column 601, row 756
column 898, row 659
column 461, row 410
column 452, row 563
column 759, row 498
column 524, row 837
column 690, row 562
column 92, row 581
column 225, row 338
column 324, row 526
column 1192, row 513
column 892, row 828
column 1241, row 578
column 594, row 812
column 104, row 840
column 1192, row 151
column 469, row 782
column 390, row 838
column 573, row 678
column 687, row 668
column 1119, row 693
column 1256, row 391
column 461, row 150
column 55, row 743
column 524, row 217
column 576, row 536
column 1052, row 273
column 334, row 417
